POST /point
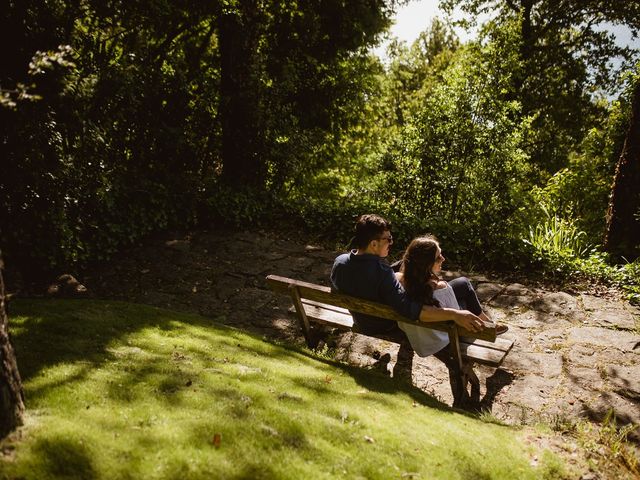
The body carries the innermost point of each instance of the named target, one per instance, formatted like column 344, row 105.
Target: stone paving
column 575, row 355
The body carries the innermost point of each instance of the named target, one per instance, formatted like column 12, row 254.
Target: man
column 364, row 273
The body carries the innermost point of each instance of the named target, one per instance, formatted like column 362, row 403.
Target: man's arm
column 464, row 318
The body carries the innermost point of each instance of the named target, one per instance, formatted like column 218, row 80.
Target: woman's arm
column 464, row 318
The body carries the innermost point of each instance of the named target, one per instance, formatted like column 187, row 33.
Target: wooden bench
column 318, row 304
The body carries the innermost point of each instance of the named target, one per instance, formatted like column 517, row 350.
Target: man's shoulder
column 357, row 261
column 342, row 258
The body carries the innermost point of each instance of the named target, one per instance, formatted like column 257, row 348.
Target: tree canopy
column 127, row 118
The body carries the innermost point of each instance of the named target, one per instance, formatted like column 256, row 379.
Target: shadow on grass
column 376, row 382
column 46, row 333
column 63, row 458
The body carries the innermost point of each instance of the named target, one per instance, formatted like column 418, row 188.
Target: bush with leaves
column 458, row 169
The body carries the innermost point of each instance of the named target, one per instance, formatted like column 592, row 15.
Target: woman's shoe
column 501, row 328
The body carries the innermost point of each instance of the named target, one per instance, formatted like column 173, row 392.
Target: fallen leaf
column 328, row 379
column 217, row 438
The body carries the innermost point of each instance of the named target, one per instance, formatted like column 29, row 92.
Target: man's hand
column 468, row 321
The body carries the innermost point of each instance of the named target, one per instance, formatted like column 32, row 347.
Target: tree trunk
column 240, row 92
column 11, row 394
column 623, row 215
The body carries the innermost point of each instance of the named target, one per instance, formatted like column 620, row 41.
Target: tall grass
column 557, row 237
column 119, row 391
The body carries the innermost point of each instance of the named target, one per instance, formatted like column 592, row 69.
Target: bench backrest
column 322, row 294
column 319, row 293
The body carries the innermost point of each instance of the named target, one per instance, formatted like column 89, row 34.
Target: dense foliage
column 126, row 118
column 159, row 115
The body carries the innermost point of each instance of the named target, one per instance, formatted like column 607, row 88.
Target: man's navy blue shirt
column 370, row 277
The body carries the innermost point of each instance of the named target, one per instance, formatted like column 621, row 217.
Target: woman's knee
column 466, row 295
column 462, row 283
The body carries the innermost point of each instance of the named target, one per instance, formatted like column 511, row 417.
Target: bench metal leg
column 404, row 361
column 471, row 378
column 457, row 378
column 462, row 375
column 302, row 315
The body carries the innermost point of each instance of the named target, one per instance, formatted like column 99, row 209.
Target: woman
column 419, row 275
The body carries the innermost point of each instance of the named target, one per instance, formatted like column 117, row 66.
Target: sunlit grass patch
column 117, row 390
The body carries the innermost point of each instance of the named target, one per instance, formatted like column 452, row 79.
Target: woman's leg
column 468, row 300
column 466, row 295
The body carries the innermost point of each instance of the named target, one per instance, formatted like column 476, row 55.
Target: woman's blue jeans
column 466, row 295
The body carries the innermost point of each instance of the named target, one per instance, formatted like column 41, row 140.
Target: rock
column 544, row 364
column 625, row 380
column 300, row 264
column 533, row 319
column 558, row 302
column 516, row 295
column 67, row 286
column 552, row 337
column 179, row 245
column 518, row 289
column 624, row 341
column 612, row 318
column 582, row 355
column 486, row 291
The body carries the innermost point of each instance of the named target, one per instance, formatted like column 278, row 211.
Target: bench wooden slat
column 480, row 351
column 326, row 306
column 328, row 316
column 479, row 354
column 501, row 344
column 321, row 294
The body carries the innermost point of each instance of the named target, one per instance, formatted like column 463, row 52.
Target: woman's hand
column 468, row 321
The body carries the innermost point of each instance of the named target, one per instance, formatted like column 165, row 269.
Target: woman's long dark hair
column 417, row 269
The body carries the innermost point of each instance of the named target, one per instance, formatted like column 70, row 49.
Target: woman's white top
column 426, row 341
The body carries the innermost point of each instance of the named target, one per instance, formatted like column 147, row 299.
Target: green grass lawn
column 116, row 390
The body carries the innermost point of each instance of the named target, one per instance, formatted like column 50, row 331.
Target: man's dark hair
column 369, row 227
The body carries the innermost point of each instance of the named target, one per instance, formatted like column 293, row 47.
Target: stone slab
column 523, row 302
column 535, row 320
column 553, row 337
column 625, row 380
column 487, row 291
column 518, row 289
column 582, row 355
column 591, row 303
column 625, row 341
column 588, row 378
column 547, row 365
column 612, row 318
column 557, row 302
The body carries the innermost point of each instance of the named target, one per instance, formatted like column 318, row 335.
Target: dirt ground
column 576, row 355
